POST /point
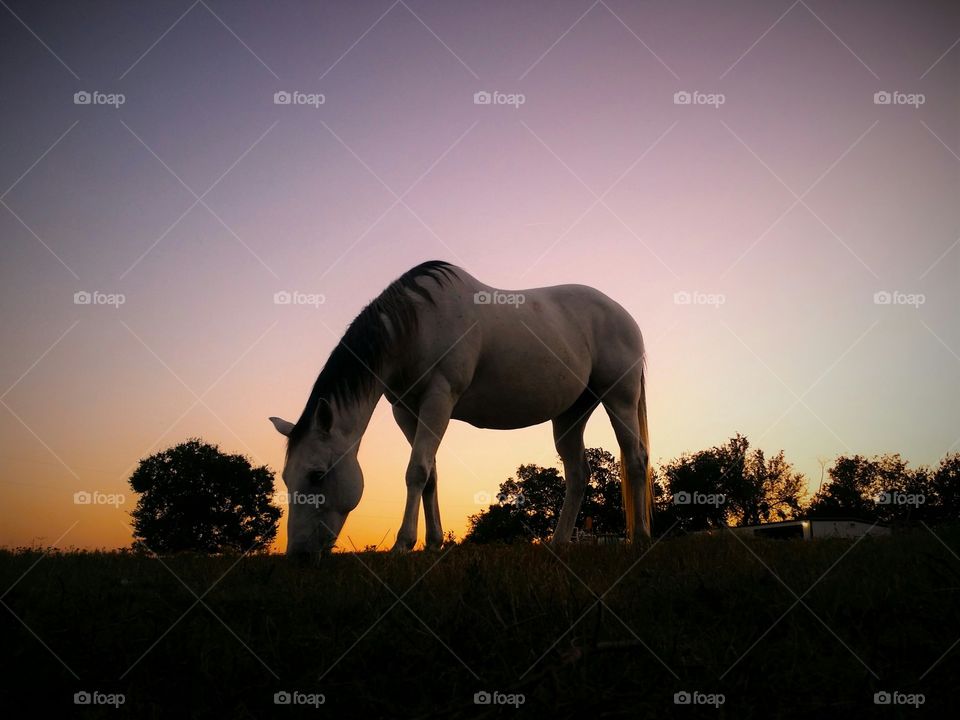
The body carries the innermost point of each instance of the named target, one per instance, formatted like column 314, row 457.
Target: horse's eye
column 316, row 476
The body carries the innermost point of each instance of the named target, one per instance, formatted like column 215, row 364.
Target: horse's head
column 324, row 481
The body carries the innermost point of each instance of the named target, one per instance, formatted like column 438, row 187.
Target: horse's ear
column 324, row 415
column 284, row 427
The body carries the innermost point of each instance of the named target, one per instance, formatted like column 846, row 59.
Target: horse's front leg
column 407, row 421
column 432, row 420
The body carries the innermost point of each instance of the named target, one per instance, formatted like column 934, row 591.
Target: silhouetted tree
column 945, row 488
column 884, row 489
column 850, row 491
column 728, row 485
column 527, row 508
column 692, row 484
column 195, row 498
column 768, row 491
column 498, row 523
column 881, row 489
column 529, row 505
column 603, row 500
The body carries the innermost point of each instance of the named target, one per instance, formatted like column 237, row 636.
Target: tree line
column 194, row 497
column 727, row 485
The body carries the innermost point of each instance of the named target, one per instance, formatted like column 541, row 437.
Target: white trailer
column 815, row 529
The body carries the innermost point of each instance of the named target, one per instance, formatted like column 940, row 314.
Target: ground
column 777, row 628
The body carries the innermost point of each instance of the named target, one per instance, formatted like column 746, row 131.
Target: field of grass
column 711, row 615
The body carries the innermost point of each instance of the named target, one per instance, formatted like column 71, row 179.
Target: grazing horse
column 441, row 345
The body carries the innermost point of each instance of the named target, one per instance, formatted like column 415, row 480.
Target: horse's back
column 571, row 320
column 524, row 356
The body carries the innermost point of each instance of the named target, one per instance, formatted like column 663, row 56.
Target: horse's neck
column 355, row 413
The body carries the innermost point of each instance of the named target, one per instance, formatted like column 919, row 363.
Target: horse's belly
column 512, row 420
column 507, row 406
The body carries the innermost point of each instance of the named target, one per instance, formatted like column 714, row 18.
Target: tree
column 193, row 497
column 529, row 505
column 945, row 487
column 694, row 500
column 850, row 490
column 769, row 491
column 881, row 489
column 728, row 485
column 498, row 523
column 527, row 508
column 603, row 500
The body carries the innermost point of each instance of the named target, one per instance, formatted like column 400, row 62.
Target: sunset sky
column 787, row 201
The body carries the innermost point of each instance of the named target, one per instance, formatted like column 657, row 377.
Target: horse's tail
column 647, row 489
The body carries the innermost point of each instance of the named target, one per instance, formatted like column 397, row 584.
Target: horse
column 442, row 346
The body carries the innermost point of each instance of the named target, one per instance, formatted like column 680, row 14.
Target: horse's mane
column 349, row 371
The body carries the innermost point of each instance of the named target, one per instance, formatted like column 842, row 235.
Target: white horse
column 442, row 345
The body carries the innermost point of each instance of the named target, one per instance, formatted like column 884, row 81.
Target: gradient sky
column 795, row 201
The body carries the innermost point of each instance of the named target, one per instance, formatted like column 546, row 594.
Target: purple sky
column 780, row 210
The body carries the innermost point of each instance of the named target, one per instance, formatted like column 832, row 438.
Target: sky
column 771, row 189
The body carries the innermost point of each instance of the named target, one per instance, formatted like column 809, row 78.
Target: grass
column 692, row 614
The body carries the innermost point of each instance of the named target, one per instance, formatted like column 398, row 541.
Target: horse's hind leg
column 622, row 407
column 568, row 438
column 431, row 512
